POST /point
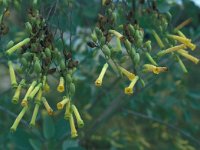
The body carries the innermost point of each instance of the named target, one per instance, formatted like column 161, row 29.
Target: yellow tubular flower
column 17, row 46
column 46, row 105
column 34, row 92
column 129, row 90
column 78, row 117
column 35, row 112
column 189, row 57
column 103, row 2
column 171, row 49
column 183, row 40
column 72, row 126
column 129, row 75
column 181, row 64
column 154, row 69
column 150, row 58
column 184, row 23
column 18, row 119
column 15, row 98
column 117, row 34
column 61, row 104
column 68, row 110
column 46, row 87
column 12, row 75
column 25, row 101
column 181, row 34
column 183, row 51
column 61, row 86
column 159, row 41
column 99, row 80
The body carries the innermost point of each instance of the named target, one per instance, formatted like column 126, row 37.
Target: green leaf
column 36, row 144
column 48, row 126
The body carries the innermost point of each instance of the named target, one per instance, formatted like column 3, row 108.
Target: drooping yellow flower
column 15, row 98
column 35, row 112
column 62, row 103
column 78, row 117
column 17, row 46
column 46, row 87
column 18, row 119
column 12, row 75
column 150, row 58
column 61, row 86
column 47, row 106
column 171, row 49
column 99, row 80
column 25, row 99
column 183, row 40
column 128, row 74
column 34, row 92
column 189, row 57
column 158, row 39
column 68, row 111
column 117, row 34
column 129, row 90
column 154, row 69
column 181, row 34
column 184, row 23
column 72, row 126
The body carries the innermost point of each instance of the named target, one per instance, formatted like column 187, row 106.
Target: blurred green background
column 162, row 116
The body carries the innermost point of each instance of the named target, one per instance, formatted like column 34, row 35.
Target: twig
column 165, row 124
column 8, row 112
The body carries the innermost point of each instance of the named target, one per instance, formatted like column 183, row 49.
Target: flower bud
column 72, row 89
column 28, row 26
column 47, row 52
column 12, row 75
column 37, row 66
column 94, row 37
column 136, row 58
column 78, row 117
column 106, row 50
column 10, row 44
column 68, row 78
column 62, row 64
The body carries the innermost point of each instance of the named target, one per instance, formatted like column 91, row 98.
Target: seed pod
column 94, row 37
column 137, row 58
column 37, row 66
column 24, row 61
column 148, row 45
column 106, row 50
column 98, row 33
column 62, row 64
column 131, row 30
column 10, row 44
column 68, row 78
column 102, row 40
column 133, row 51
column 168, row 16
column 137, row 34
column 48, row 52
column 27, row 55
column 118, row 45
column 127, row 45
column 139, row 42
column 72, row 89
column 28, row 26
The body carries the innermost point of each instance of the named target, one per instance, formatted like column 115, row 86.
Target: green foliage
column 163, row 115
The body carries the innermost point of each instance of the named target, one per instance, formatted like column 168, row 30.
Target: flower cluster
column 129, row 43
column 38, row 59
